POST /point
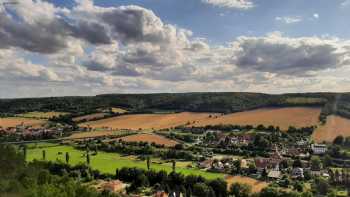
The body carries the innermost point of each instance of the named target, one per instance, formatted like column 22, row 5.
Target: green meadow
column 107, row 162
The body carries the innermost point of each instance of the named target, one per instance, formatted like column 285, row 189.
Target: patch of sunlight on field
column 42, row 115
column 108, row 162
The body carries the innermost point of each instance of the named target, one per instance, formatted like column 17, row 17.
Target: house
column 218, row 166
column 319, row 149
column 274, row 174
column 205, row 164
column 298, row 173
column 302, row 142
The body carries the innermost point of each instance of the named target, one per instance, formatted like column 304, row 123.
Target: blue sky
column 86, row 47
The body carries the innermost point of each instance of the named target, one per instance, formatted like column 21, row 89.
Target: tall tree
column 44, row 154
column 88, row 159
column 96, row 149
column 174, row 165
column 67, row 157
column 148, row 163
column 25, row 152
column 339, row 140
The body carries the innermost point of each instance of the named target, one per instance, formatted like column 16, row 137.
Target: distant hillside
column 225, row 102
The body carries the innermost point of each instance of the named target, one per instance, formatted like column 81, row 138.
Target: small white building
column 319, row 149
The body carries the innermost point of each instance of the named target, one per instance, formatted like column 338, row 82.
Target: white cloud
column 289, row 19
column 316, row 15
column 345, row 3
column 130, row 49
column 232, row 4
column 275, row 53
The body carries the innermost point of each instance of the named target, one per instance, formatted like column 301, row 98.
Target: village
column 283, row 159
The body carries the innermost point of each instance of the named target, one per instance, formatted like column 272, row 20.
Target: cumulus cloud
column 232, row 4
column 278, row 54
column 14, row 67
column 289, row 19
column 89, row 49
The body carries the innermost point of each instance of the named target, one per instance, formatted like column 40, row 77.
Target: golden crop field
column 148, row 121
column 150, row 138
column 335, row 125
column 89, row 117
column 282, row 117
column 15, row 121
column 118, row 110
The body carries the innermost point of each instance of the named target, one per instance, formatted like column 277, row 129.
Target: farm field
column 41, row 115
column 89, row 117
column 257, row 185
column 335, row 126
column 108, row 162
column 112, row 109
column 118, row 110
column 282, row 117
column 148, row 121
column 14, row 121
column 150, row 138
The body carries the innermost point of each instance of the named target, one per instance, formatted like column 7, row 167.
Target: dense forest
column 224, row 102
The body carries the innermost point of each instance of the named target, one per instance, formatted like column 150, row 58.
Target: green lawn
column 107, row 162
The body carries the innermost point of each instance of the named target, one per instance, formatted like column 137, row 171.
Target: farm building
column 319, row 149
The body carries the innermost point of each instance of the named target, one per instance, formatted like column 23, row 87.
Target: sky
column 86, row 47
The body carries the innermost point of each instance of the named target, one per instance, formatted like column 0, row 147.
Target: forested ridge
column 222, row 102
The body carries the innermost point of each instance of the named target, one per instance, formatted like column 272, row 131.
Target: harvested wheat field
column 150, row 138
column 256, row 185
column 89, row 117
column 148, row 121
column 118, row 110
column 15, row 121
column 334, row 127
column 282, row 117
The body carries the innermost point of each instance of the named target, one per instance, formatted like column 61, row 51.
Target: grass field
column 14, row 121
column 89, row 117
column 42, row 115
column 282, row 117
column 335, row 125
column 147, row 121
column 150, row 138
column 257, row 186
column 108, row 162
